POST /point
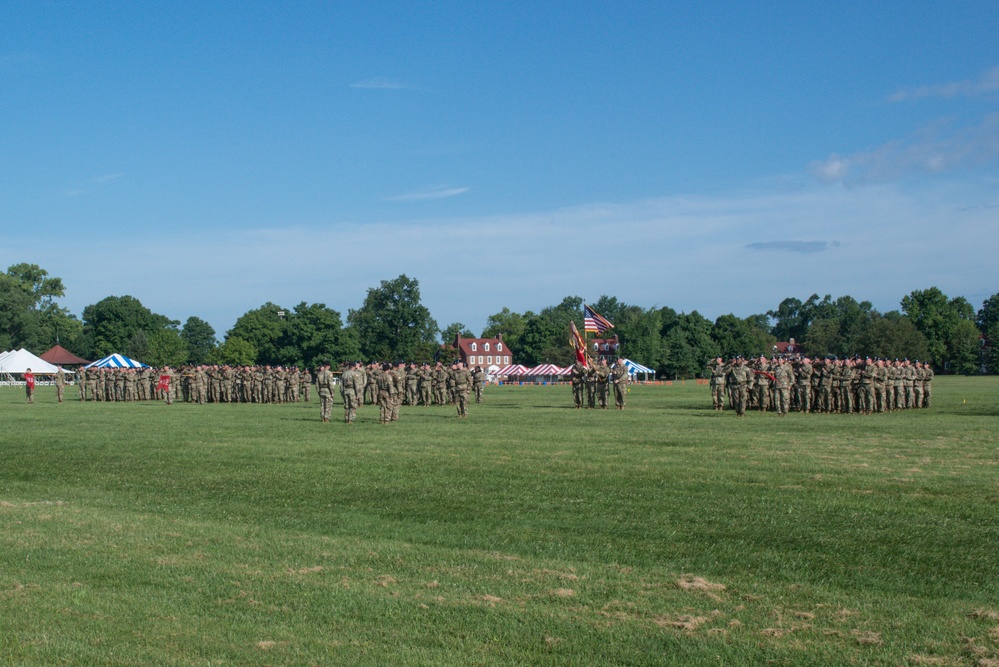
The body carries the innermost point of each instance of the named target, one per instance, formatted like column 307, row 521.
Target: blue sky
column 209, row 157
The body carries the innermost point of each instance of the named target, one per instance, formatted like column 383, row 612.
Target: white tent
column 116, row 361
column 21, row 360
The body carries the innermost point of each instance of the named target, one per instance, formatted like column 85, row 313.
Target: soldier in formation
column 620, row 380
column 857, row 385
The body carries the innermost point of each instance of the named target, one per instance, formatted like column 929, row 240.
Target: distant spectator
column 29, row 385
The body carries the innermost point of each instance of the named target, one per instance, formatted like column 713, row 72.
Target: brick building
column 483, row 352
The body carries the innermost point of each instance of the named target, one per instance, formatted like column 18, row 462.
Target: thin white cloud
column 86, row 186
column 426, row 194
column 702, row 253
column 380, row 84
column 794, row 246
column 985, row 84
column 934, row 149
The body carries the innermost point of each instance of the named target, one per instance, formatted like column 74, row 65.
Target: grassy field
column 528, row 534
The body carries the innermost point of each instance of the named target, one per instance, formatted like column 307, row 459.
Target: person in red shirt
column 29, row 385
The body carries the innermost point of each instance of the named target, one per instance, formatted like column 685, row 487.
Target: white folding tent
column 19, row 361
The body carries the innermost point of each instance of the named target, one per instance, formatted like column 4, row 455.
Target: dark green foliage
column 199, row 338
column 122, row 324
column 393, row 324
column 938, row 318
column 546, row 335
column 29, row 315
column 741, row 337
column 451, row 331
column 893, row 336
column 508, row 323
column 278, row 337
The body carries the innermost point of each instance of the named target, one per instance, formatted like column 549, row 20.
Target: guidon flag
column 577, row 342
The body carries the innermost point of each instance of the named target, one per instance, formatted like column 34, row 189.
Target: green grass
column 527, row 534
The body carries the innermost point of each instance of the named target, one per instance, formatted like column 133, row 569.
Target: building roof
column 60, row 356
column 470, row 346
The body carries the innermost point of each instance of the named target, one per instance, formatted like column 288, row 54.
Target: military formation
column 858, row 385
column 196, row 384
column 387, row 385
column 592, row 383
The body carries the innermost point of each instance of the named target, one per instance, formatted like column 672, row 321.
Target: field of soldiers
column 529, row 532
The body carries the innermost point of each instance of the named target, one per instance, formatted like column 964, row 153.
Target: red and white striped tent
column 512, row 370
column 548, row 370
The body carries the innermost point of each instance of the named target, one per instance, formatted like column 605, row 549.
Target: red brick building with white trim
column 484, row 352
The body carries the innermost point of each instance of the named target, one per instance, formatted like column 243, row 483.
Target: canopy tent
column 19, row 361
column 60, row 356
column 548, row 371
column 116, row 361
column 635, row 368
column 513, row 369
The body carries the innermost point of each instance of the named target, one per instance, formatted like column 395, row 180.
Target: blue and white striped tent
column 635, row 368
column 116, row 361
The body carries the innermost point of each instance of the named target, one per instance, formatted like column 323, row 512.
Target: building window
column 485, row 346
column 506, row 360
column 473, row 346
column 489, row 360
column 499, row 347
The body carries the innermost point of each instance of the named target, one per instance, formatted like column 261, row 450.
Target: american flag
column 593, row 321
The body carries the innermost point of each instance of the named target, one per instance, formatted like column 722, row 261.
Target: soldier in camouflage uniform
column 386, row 394
column 351, row 386
column 306, row 384
column 578, row 377
column 620, row 380
column 603, row 373
column 324, row 387
column 739, row 381
column 462, row 388
column 783, row 382
column 478, row 381
column 412, row 385
column 426, row 384
column 719, row 371
column 399, row 378
column 803, row 371
column 927, row 386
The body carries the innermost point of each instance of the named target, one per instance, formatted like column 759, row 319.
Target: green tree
column 992, row 348
column 610, row 308
column 394, row 324
column 511, row 325
column 112, row 325
column 893, row 336
column 165, row 348
column 988, row 314
column 937, row 317
column 262, row 328
column 29, row 315
column 639, row 332
column 823, row 338
column 235, row 351
column 313, row 333
column 688, row 344
column 741, row 337
column 789, row 320
column 964, row 347
column 451, row 331
column 546, row 335
column 199, row 338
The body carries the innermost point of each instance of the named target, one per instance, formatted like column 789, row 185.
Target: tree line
column 392, row 323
